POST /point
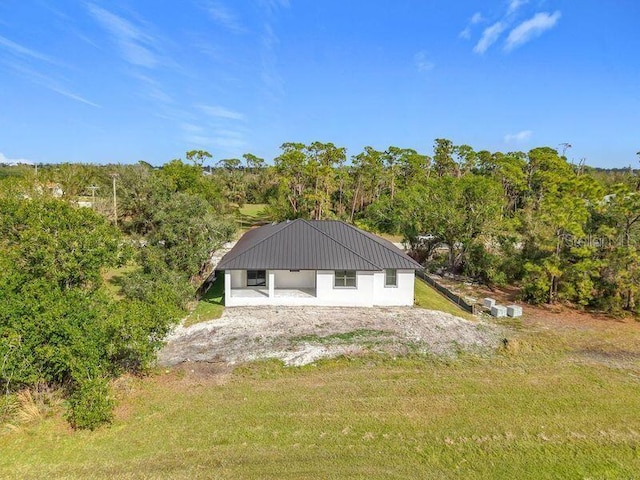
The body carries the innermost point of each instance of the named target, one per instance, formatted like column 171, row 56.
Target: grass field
column 531, row 412
column 210, row 306
column 112, row 279
column 560, row 401
column 250, row 215
column 427, row 297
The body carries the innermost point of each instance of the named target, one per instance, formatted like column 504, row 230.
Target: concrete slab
column 514, row 310
column 499, row 311
column 488, row 302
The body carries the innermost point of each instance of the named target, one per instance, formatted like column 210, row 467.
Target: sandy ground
column 302, row 335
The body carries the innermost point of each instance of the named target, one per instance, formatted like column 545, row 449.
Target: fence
column 454, row 298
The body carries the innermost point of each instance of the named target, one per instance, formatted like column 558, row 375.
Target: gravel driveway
column 301, row 335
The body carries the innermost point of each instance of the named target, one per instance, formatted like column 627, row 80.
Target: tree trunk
column 353, row 203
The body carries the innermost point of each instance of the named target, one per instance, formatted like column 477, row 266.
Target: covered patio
column 262, row 292
column 270, row 287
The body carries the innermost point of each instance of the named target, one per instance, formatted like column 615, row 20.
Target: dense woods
column 561, row 232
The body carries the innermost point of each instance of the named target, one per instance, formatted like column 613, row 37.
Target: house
column 321, row 262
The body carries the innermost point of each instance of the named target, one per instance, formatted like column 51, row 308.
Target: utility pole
column 115, row 199
column 93, row 189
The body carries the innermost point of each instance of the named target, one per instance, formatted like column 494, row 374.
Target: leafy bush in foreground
column 56, row 324
column 90, row 404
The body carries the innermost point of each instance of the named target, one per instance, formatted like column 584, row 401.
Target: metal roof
column 314, row 245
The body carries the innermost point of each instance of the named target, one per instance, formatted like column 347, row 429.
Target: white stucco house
column 321, row 263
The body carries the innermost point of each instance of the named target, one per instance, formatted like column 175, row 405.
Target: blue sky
column 130, row 80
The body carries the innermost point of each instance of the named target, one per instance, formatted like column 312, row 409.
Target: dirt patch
column 302, row 335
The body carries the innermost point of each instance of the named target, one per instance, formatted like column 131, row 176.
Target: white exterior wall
column 330, row 296
column 400, row 295
column 370, row 290
column 238, row 278
column 299, row 279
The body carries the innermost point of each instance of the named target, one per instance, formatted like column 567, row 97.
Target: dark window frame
column 345, row 279
column 256, row 278
column 387, row 271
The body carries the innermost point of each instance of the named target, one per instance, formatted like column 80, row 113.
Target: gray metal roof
column 314, row 245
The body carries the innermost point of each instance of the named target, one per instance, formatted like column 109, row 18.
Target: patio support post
column 227, row 286
column 272, row 284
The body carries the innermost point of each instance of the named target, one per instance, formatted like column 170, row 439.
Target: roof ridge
column 372, row 237
column 340, row 243
column 287, row 223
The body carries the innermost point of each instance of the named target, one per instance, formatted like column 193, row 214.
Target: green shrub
column 484, row 266
column 535, row 284
column 90, row 404
column 167, row 288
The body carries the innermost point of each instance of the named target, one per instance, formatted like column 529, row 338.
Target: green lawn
column 254, row 210
column 427, row 297
column 250, row 215
column 210, row 306
column 532, row 414
column 112, row 279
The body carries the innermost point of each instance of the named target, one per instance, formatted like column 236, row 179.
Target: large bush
column 56, row 324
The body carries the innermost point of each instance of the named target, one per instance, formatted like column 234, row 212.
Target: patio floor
column 278, row 293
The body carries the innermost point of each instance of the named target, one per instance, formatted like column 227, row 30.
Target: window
column 345, row 279
column 390, row 277
column 256, row 278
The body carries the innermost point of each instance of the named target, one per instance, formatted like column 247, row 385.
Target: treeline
column 563, row 232
column 59, row 323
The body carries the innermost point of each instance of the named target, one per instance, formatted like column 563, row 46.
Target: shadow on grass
column 114, row 278
column 211, row 304
column 252, row 215
column 428, row 298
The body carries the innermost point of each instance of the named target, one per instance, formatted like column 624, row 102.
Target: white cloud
column 476, row 18
column 519, row 137
column 514, row 5
column 269, row 73
column 191, row 128
column 71, row 95
column 230, row 145
column 23, row 51
column 273, row 5
column 223, row 132
column 422, row 62
column 47, row 82
column 222, row 15
column 13, row 161
column 153, row 89
column 489, row 36
column 136, row 45
column 221, row 112
column 226, row 141
column 531, row 28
